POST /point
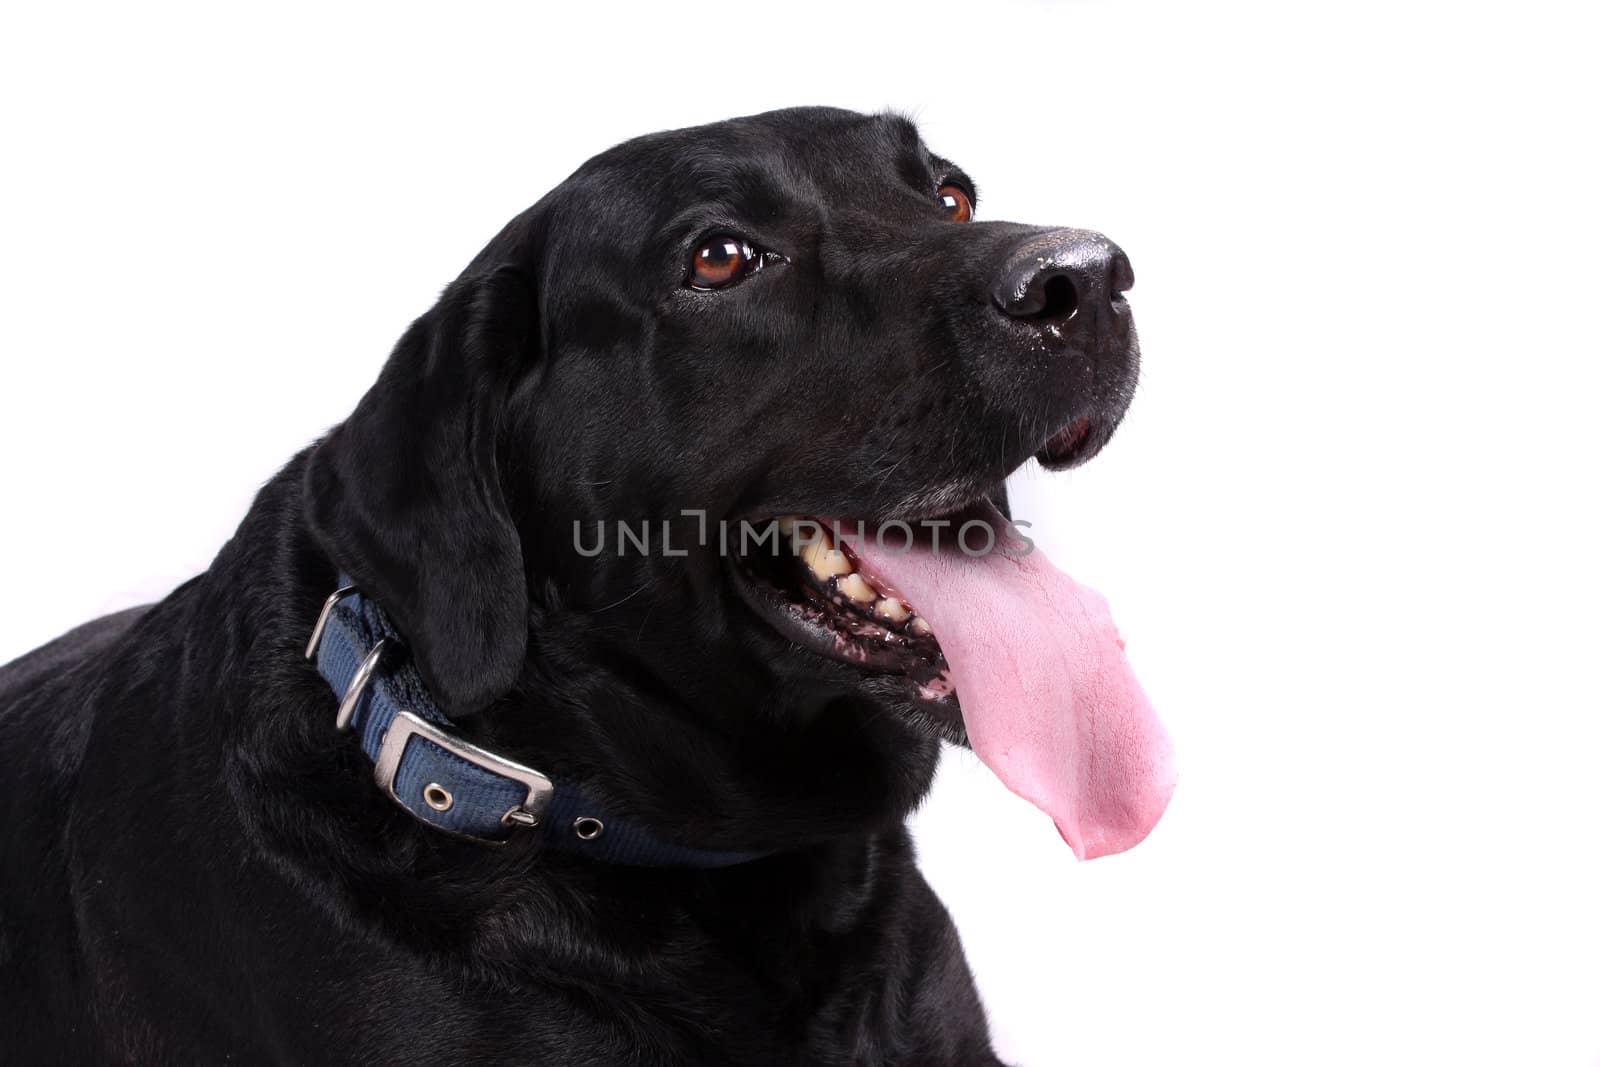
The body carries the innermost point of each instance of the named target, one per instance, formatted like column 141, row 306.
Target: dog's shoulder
column 76, row 648
column 47, row 708
column 46, row 699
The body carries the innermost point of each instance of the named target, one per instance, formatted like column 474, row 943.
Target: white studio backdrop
column 1348, row 527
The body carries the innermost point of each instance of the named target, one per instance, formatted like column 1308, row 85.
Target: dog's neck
column 762, row 771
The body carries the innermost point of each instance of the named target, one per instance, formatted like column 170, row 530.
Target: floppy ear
column 405, row 495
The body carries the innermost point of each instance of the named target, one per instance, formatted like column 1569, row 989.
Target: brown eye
column 955, row 202
column 718, row 262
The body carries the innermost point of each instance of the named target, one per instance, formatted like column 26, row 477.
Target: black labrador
column 578, row 510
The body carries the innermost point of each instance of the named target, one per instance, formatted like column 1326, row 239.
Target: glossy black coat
column 198, row 869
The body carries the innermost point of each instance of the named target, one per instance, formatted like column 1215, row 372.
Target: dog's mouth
column 807, row 581
column 804, row 576
column 985, row 634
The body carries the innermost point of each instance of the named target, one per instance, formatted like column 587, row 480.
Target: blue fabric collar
column 448, row 783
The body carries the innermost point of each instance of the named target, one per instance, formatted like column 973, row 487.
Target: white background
column 1348, row 529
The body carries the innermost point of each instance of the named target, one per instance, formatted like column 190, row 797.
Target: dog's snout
column 1050, row 278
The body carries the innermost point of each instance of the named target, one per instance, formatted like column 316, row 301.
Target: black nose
column 1051, row 277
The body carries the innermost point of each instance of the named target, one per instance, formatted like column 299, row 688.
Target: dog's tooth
column 890, row 608
column 856, row 588
column 919, row 625
column 789, row 530
column 824, row 560
column 836, row 562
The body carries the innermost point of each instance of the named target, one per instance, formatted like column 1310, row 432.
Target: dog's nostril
column 1063, row 279
column 1045, row 296
column 1060, row 299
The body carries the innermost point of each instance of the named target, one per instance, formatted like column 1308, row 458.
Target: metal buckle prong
column 322, row 618
column 407, row 725
column 358, row 683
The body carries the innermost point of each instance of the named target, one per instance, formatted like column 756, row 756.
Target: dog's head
column 631, row 402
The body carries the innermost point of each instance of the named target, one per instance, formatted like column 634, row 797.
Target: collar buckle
column 406, row 725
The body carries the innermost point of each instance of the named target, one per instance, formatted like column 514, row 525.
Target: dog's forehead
column 633, row 203
column 764, row 165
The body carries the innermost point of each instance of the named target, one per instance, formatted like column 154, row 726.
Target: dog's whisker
column 618, row 603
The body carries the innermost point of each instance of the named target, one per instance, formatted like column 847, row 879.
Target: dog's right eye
column 956, row 203
column 720, row 261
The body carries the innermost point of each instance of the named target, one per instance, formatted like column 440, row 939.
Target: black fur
column 198, row 869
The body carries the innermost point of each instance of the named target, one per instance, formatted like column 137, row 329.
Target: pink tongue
column 1049, row 700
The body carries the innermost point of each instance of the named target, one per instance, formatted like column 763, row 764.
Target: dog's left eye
column 721, row 261
column 956, row 203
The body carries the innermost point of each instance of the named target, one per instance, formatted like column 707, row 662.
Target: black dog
column 771, row 317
